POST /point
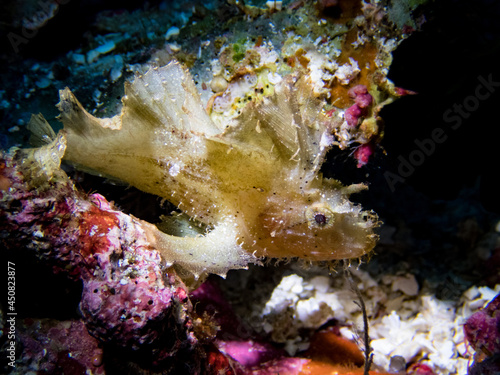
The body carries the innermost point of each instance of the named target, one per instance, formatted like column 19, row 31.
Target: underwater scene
column 250, row 187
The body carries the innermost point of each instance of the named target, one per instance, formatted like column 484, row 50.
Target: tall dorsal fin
column 162, row 98
column 290, row 122
column 294, row 119
column 171, row 99
column 162, row 113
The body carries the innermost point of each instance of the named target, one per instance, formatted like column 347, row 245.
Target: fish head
column 319, row 224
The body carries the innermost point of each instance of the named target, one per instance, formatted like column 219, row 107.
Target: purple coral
column 361, row 96
column 363, row 153
column 71, row 351
column 362, row 100
column 127, row 300
column 482, row 329
column 353, row 114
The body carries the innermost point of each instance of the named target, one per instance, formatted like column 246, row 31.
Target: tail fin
column 41, row 131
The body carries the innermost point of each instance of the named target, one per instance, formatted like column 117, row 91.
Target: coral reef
column 240, row 350
column 482, row 331
column 230, row 116
column 53, row 347
column 237, row 349
column 127, row 300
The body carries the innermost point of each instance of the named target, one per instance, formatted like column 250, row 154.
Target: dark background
column 459, row 43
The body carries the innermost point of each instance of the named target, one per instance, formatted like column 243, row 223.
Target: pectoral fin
column 215, row 252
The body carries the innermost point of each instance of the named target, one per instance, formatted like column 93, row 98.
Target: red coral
column 95, row 224
column 482, row 329
column 363, row 153
column 353, row 114
column 420, row 369
column 361, row 96
column 362, row 100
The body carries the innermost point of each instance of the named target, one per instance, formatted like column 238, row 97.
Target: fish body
column 254, row 184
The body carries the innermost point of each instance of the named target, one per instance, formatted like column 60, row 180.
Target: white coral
column 345, row 73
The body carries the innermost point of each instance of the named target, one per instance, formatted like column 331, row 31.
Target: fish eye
column 319, row 216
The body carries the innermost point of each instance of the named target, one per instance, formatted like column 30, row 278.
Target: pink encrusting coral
column 362, row 100
column 363, row 153
column 353, row 114
column 71, row 351
column 127, row 301
column 482, row 329
column 361, row 96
